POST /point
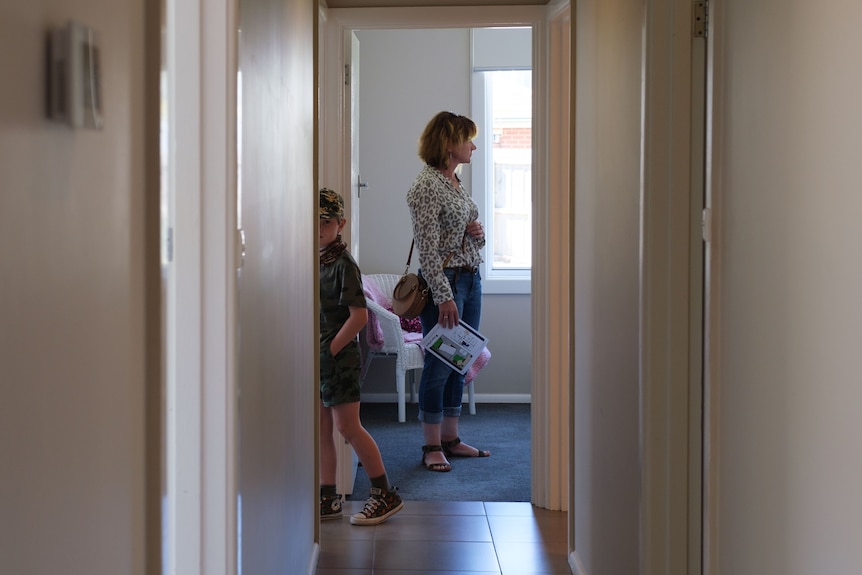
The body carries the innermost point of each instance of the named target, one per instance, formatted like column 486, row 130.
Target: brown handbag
column 411, row 292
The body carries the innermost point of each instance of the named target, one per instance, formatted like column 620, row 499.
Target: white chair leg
column 365, row 365
column 412, row 379
column 472, row 398
column 399, row 387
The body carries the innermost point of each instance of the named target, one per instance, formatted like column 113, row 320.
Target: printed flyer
column 458, row 346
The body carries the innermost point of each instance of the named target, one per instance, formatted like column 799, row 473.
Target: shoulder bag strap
column 410, row 256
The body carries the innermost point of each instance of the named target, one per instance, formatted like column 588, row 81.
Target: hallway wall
column 72, row 350
column 788, row 376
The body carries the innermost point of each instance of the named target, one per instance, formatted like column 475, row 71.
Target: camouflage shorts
column 339, row 375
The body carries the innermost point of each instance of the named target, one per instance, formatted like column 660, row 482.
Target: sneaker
column 330, row 507
column 379, row 506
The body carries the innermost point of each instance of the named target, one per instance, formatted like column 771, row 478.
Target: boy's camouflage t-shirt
column 340, row 287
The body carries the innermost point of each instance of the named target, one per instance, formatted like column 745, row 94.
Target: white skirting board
column 575, row 564
column 315, row 557
column 347, row 464
column 480, row 398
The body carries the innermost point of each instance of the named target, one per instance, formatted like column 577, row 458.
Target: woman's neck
column 450, row 174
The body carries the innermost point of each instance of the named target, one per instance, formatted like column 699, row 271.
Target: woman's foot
column 433, row 458
column 456, row 448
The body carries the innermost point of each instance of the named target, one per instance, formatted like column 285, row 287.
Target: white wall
column 789, row 383
column 607, row 237
column 72, row 355
column 407, row 76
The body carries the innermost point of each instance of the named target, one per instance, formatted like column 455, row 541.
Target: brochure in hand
column 458, row 347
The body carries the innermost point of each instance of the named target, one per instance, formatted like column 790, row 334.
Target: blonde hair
column 444, row 130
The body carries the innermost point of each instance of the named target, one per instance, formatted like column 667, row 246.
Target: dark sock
column 328, row 491
column 381, row 482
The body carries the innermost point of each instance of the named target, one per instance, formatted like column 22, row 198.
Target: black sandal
column 448, row 445
column 441, row 467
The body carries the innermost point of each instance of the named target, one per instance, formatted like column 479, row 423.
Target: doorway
column 338, row 36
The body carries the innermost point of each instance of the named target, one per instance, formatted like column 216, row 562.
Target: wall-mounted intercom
column 74, row 77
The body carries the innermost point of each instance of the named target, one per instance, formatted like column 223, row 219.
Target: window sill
column 505, row 286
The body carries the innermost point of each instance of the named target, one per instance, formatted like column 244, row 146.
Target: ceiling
column 429, row 3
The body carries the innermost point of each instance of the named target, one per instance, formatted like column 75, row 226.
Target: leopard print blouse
column 440, row 214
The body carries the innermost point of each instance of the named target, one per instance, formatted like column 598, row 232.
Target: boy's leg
column 346, row 417
column 384, row 500
column 344, row 394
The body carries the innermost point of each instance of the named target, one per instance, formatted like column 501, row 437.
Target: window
column 502, row 164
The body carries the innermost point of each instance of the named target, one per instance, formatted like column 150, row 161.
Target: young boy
column 343, row 313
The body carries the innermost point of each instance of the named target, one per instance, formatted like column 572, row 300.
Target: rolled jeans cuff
column 452, row 411
column 437, row 416
column 431, row 417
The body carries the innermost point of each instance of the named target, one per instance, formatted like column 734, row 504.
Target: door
column 673, row 253
column 346, row 457
column 277, row 312
column 698, row 274
column 356, row 183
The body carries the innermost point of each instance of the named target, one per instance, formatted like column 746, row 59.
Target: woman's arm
column 425, row 204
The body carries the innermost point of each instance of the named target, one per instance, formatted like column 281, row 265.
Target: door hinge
column 169, row 245
column 240, row 249
column 706, row 225
column 359, row 185
column 700, row 19
column 346, row 75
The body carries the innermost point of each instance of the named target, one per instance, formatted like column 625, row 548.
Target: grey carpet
column 501, row 428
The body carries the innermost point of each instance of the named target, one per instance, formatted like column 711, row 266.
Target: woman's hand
column 448, row 314
column 475, row 230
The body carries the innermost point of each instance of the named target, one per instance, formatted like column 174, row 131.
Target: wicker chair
column 408, row 355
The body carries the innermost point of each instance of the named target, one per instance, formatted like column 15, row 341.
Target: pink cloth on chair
column 372, row 292
column 477, row 365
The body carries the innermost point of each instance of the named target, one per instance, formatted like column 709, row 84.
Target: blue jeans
column 441, row 389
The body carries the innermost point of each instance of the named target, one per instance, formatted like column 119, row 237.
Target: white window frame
column 494, row 281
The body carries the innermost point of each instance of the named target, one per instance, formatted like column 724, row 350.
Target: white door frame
column 711, row 286
column 200, row 516
column 550, row 362
column 669, row 336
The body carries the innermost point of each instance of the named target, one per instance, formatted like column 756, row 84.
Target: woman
column 449, row 240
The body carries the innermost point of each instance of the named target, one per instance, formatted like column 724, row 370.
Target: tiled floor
column 447, row 538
